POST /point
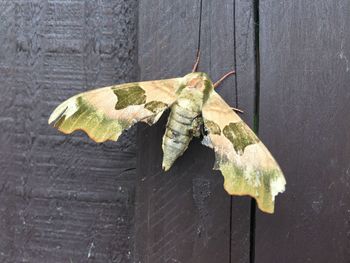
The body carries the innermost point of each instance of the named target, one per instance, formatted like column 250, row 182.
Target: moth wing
column 105, row 112
column 246, row 164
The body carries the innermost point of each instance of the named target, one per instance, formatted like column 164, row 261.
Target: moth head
column 199, row 81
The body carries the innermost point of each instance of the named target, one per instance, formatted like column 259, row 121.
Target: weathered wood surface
column 63, row 198
column 227, row 42
column 184, row 215
column 66, row 199
column 241, row 231
column 304, row 119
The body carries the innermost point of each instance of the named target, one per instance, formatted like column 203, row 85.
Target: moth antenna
column 224, row 77
column 195, row 66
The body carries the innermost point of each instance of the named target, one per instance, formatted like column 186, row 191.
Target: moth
column 246, row 164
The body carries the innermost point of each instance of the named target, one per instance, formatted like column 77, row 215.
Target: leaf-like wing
column 105, row 112
column 246, row 164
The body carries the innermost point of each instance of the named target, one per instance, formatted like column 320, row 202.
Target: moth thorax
column 189, row 105
column 191, row 100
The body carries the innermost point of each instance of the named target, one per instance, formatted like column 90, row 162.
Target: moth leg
column 197, row 125
column 203, row 130
column 195, row 66
column 224, row 77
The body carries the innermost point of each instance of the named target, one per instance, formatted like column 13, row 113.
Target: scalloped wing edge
column 246, row 164
column 78, row 114
column 74, row 114
column 104, row 113
column 242, row 178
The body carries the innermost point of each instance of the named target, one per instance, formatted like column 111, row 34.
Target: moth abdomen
column 178, row 134
column 182, row 119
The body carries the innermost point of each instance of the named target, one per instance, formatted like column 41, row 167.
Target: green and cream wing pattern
column 246, row 164
column 105, row 112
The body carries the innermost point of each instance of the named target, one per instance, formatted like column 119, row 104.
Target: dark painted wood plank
column 245, row 62
column 184, row 215
column 63, row 198
column 176, row 221
column 219, row 20
column 180, row 215
column 245, row 83
column 304, row 116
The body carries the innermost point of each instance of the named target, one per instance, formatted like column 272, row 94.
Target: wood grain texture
column 173, row 219
column 245, row 88
column 63, row 198
column 226, row 44
column 184, row 215
column 304, row 120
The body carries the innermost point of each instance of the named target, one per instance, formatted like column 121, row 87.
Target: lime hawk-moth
column 246, row 164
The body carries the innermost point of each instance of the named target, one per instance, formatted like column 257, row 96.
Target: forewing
column 246, row 164
column 105, row 112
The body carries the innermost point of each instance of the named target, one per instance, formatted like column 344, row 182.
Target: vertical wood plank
column 63, row 198
column 226, row 44
column 245, row 61
column 245, row 86
column 184, row 215
column 304, row 120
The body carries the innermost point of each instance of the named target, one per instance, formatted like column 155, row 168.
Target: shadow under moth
column 246, row 164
